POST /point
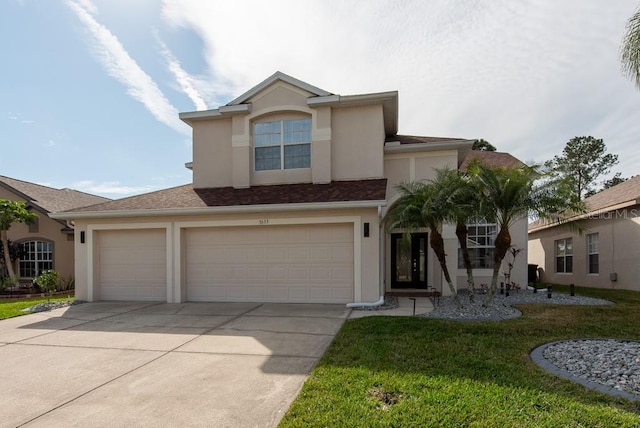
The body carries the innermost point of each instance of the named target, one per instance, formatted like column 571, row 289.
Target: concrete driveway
column 157, row 364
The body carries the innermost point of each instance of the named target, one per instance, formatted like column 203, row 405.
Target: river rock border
column 538, row 357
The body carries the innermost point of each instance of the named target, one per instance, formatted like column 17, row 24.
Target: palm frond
column 630, row 49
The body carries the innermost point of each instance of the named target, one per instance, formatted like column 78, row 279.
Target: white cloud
column 110, row 188
column 185, row 81
column 18, row 117
column 526, row 75
column 119, row 65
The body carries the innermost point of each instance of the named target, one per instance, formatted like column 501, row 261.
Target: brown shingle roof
column 50, row 199
column 414, row 139
column 491, row 159
column 625, row 192
column 188, row 197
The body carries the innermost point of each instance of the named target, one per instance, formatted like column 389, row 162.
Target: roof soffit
column 316, row 97
column 388, row 101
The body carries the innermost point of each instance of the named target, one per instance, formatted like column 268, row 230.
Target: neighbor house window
column 481, row 242
column 564, row 255
column 593, row 253
column 36, row 257
column 284, row 144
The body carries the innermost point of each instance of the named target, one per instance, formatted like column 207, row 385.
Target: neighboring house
column 47, row 243
column 290, row 186
column 605, row 254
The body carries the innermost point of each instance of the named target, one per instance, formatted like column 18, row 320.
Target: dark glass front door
column 409, row 261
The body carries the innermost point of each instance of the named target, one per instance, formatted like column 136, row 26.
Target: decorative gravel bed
column 607, row 365
column 501, row 308
column 49, row 306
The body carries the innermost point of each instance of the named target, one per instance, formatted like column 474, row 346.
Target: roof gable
column 48, row 198
column 278, row 76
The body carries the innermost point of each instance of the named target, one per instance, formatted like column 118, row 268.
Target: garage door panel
column 131, row 265
column 273, row 263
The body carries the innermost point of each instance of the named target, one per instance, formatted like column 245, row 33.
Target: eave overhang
column 171, row 212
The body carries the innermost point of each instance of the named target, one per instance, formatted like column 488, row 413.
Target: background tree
column 582, row 162
column 12, row 212
column 615, row 180
column 481, row 144
column 630, row 50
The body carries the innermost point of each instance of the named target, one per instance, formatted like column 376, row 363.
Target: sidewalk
column 405, row 308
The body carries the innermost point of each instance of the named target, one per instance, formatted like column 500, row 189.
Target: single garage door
column 131, row 265
column 301, row 263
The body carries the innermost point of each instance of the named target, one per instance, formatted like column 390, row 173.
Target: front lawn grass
column 420, row 372
column 14, row 308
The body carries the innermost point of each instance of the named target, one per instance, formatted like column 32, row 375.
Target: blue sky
column 91, row 89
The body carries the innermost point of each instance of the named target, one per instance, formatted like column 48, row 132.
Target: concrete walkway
column 405, row 308
column 155, row 364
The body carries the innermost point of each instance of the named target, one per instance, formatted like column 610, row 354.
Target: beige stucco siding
column 619, row 251
column 357, row 141
column 415, row 166
column 48, row 230
column 280, row 94
column 212, row 154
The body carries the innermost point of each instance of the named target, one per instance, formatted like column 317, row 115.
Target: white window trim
column 487, row 246
column 282, row 145
column 589, row 253
column 565, row 255
column 37, row 259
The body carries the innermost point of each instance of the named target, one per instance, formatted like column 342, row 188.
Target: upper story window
column 564, row 255
column 480, row 242
column 283, row 144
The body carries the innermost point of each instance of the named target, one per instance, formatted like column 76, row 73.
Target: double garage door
column 297, row 263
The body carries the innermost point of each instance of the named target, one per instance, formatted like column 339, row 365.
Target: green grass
column 14, row 308
column 419, row 372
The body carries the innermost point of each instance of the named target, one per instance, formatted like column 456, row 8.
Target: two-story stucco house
column 290, row 186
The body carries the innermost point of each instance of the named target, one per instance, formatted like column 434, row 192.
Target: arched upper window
column 282, row 144
column 36, row 257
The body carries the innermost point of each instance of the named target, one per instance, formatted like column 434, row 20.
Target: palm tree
column 508, row 195
column 425, row 204
column 630, row 50
column 465, row 208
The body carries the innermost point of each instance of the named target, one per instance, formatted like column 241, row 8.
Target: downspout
column 380, row 301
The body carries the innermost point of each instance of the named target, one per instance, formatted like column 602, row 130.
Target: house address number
column 263, row 221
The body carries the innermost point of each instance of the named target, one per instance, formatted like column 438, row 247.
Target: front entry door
column 409, row 261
